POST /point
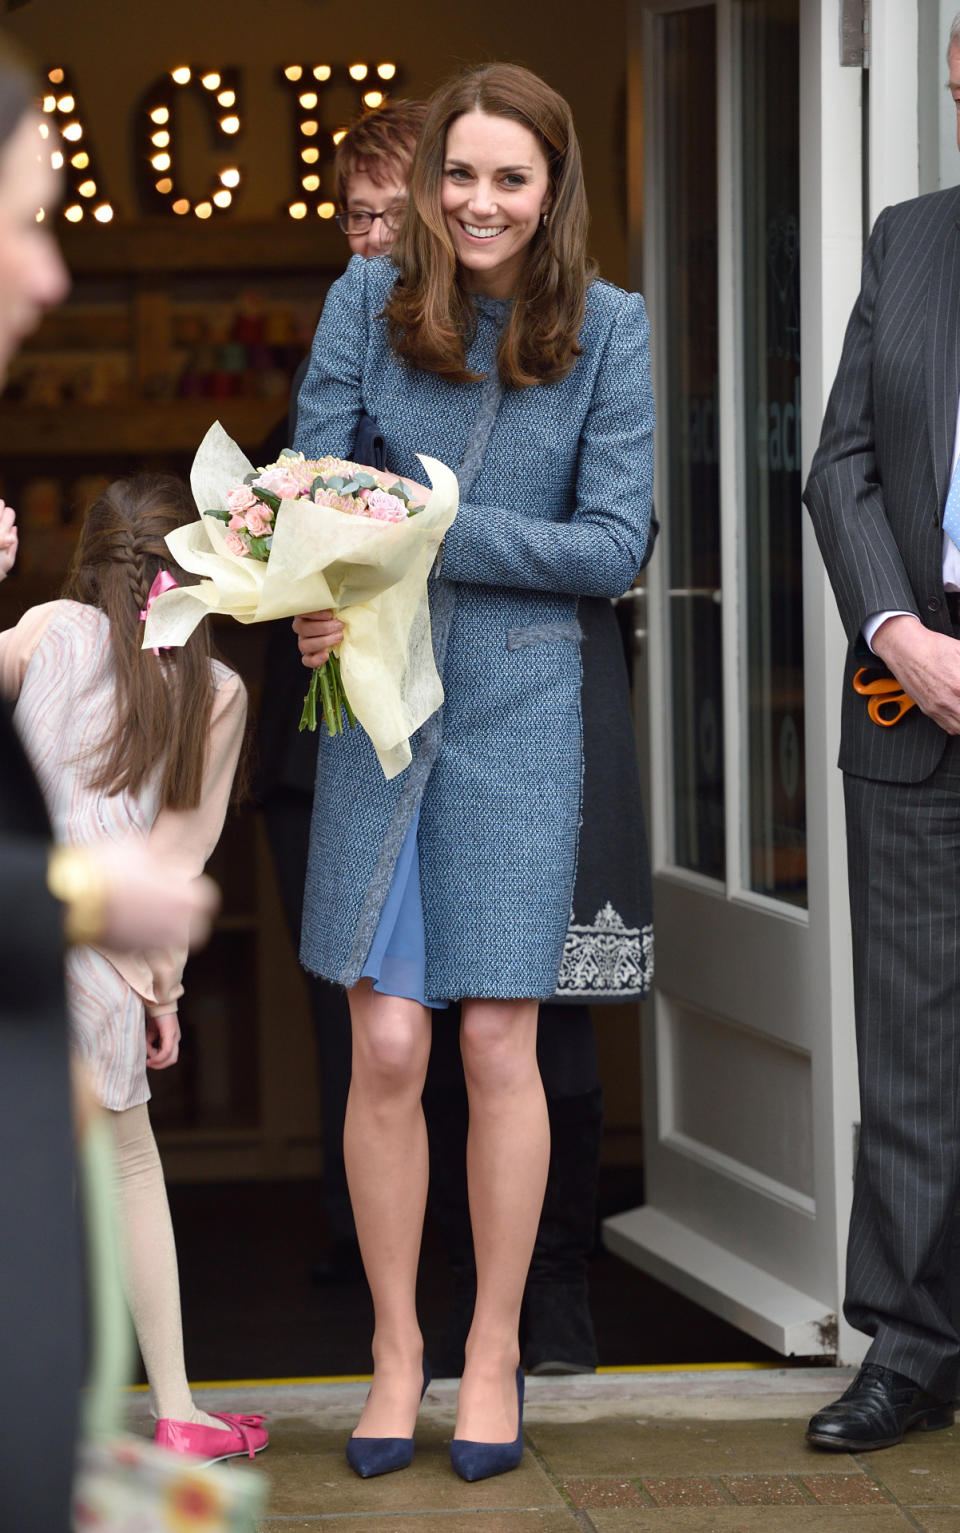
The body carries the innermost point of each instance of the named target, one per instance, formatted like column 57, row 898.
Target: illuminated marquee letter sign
column 71, row 151
column 317, row 95
column 217, row 93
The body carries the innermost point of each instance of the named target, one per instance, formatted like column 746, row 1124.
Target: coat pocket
column 544, row 633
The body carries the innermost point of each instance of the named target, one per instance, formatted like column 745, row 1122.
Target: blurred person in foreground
column 49, row 896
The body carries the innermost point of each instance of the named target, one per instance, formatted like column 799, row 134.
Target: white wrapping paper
column 372, row 574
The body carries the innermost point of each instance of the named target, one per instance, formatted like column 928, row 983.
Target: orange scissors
column 887, row 700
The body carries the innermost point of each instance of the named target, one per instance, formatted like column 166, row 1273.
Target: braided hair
column 163, row 705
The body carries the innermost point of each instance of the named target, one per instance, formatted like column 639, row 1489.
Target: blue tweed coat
column 556, row 508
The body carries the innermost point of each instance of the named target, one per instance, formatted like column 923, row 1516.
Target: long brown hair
column 163, row 704
column 430, row 317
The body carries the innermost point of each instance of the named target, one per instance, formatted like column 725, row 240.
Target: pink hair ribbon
column 163, row 581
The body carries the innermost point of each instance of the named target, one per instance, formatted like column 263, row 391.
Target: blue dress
column 554, row 506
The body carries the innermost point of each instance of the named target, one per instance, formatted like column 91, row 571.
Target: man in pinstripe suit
column 878, row 493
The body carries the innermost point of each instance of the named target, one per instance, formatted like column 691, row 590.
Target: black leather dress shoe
column 875, row 1412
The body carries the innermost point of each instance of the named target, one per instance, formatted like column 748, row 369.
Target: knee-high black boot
column 556, row 1325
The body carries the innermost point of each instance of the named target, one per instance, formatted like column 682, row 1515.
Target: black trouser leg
column 904, row 860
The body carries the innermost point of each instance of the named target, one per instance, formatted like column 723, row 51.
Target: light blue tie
column 951, row 511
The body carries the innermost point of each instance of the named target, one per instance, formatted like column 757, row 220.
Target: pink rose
column 384, row 507
column 240, row 499
column 280, row 481
column 234, row 544
column 236, row 522
column 259, row 520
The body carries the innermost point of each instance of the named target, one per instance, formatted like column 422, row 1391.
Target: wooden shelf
column 145, row 426
column 164, row 246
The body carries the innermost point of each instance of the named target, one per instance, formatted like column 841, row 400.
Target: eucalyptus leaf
column 266, row 497
column 289, row 452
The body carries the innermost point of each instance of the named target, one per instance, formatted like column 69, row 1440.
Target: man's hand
column 8, row 539
column 163, row 1041
column 317, row 634
column 927, row 666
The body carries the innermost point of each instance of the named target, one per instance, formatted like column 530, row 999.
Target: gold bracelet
column 75, row 877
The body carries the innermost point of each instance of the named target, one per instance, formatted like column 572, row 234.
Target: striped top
column 57, row 666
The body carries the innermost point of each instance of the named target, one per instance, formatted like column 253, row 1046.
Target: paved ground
column 698, row 1451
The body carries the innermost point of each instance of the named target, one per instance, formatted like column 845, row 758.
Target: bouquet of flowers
column 304, row 535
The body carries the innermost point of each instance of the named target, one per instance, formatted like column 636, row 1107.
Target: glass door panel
column 689, row 347
column 774, row 810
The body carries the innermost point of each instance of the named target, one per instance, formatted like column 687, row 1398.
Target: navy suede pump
column 479, row 1461
column 369, row 1456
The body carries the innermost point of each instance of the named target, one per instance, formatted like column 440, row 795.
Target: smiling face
column 495, row 189
column 32, row 273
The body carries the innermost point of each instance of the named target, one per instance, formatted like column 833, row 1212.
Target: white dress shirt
column 950, row 554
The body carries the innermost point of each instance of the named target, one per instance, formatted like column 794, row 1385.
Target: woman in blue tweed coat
column 484, row 342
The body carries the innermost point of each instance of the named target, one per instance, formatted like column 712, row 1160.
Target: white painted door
column 752, row 234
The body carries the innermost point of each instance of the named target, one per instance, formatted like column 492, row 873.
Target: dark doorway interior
column 253, row 1311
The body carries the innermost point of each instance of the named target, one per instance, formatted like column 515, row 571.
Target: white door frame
column 714, row 1260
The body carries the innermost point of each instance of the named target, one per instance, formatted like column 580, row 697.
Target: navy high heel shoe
column 369, row 1456
column 478, row 1461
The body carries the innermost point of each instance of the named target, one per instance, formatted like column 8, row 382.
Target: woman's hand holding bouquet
column 345, row 550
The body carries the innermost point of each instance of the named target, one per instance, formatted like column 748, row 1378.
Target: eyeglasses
column 361, row 222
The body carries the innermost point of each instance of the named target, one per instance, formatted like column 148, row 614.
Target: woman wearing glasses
column 486, row 342
column 372, row 169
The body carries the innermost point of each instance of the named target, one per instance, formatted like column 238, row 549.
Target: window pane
column 775, row 809
column 692, row 514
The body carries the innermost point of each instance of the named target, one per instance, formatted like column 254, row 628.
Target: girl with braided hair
column 129, row 743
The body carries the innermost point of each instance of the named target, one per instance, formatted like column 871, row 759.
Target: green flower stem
column 328, row 683
column 351, row 716
column 308, row 718
column 330, row 717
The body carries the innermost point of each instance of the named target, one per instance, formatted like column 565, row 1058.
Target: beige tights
column 150, row 1258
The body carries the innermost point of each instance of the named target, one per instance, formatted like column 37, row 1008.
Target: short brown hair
column 430, row 316
column 380, row 145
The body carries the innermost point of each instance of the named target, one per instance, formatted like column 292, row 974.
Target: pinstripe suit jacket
column 880, row 476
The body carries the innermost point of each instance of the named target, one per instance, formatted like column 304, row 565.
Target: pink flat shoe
column 247, row 1436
